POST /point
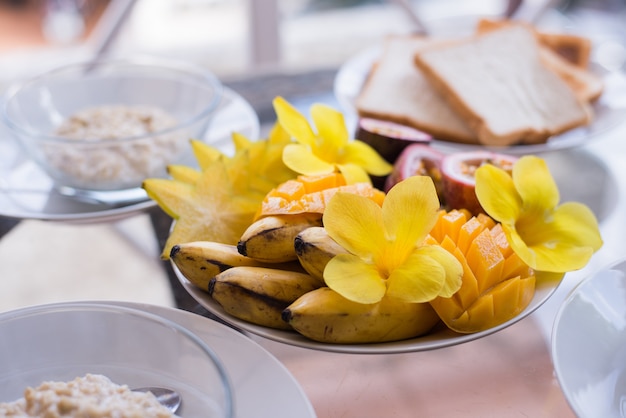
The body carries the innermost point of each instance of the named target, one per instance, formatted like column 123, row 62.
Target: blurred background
column 239, row 37
column 246, row 43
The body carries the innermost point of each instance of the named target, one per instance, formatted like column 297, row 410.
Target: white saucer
column 39, row 200
column 589, row 344
column 262, row 387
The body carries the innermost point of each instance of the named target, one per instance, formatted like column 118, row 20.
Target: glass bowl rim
column 142, row 62
column 78, row 306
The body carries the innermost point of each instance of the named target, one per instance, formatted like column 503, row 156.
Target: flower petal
column 580, row 224
column 354, row 174
column 534, row 183
column 519, row 246
column 353, row 279
column 409, row 212
column 356, row 223
column 497, row 195
column 559, row 252
column 452, row 267
column 561, row 257
column 300, row 159
column 566, row 241
column 360, row 153
column 293, row 122
column 420, row 279
column 331, row 126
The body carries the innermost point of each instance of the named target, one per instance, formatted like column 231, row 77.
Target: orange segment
column 291, row 190
column 310, row 194
column 322, row 182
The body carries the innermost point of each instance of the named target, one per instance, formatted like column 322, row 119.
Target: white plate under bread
column 500, row 87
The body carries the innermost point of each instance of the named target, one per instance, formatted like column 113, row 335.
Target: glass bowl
column 108, row 125
column 62, row 341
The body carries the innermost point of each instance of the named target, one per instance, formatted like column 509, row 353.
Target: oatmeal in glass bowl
column 108, row 125
column 73, row 357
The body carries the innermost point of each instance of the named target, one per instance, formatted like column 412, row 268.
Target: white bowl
column 59, row 342
column 178, row 101
column 589, row 344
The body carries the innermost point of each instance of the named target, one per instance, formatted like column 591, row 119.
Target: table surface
column 506, row 374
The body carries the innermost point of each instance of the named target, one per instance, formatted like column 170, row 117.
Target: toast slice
column 567, row 55
column 397, row 91
column 498, row 83
column 586, row 85
column 574, row 49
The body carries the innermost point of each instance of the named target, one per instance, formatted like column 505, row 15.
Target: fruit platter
column 314, row 239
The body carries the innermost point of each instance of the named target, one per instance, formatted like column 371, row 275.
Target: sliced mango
column 496, row 286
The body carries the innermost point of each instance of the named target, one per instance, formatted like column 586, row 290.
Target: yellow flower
column 545, row 235
column 330, row 149
column 386, row 245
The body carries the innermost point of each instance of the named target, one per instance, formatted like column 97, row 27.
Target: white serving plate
column 440, row 337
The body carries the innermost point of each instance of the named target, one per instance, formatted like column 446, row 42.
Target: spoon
column 167, row 397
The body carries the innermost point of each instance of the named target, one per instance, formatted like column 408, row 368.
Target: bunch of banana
column 315, row 248
column 258, row 294
column 271, row 239
column 200, row 261
column 274, row 278
column 326, row 316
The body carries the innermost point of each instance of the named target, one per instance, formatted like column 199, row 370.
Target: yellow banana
column 326, row 316
column 315, row 248
column 200, row 261
column 259, row 294
column 271, row 238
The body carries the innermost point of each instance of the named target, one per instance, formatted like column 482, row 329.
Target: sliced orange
column 310, row 194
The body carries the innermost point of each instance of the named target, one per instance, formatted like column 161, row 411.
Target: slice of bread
column 555, row 48
column 498, row 83
column 586, row 85
column 572, row 48
column 397, row 91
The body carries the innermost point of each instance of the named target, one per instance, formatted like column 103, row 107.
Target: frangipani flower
column 386, row 245
column 545, row 235
column 330, row 149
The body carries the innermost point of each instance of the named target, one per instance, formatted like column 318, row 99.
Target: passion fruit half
column 417, row 160
column 459, row 182
column 389, row 138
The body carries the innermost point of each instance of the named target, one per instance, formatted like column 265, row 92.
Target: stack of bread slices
column 506, row 84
